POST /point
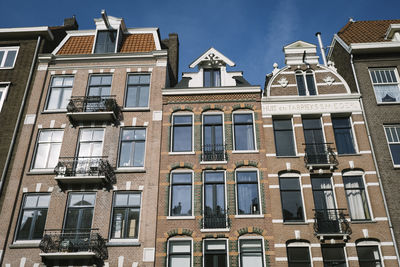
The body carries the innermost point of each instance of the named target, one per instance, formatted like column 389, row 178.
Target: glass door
column 90, row 151
column 215, row 253
column 213, row 142
column 315, row 142
column 214, row 200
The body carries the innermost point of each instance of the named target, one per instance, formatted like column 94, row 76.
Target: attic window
column 212, row 77
column 105, row 42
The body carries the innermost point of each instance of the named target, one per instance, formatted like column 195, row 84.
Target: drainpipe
column 14, row 137
column 321, row 46
column 375, row 162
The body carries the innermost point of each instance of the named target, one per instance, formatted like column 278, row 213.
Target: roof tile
column 143, row 42
column 77, row 45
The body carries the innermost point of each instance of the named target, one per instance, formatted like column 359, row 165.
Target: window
column 215, row 253
column 356, row 198
column 90, row 143
column 132, row 148
column 181, row 194
column 212, row 77
column 8, row 56
column 316, row 149
column 100, row 85
column 105, row 42
column 126, row 215
column 386, row 85
column 393, row 138
column 292, row 203
column 213, row 137
column 179, row 253
column 343, row 135
column 284, row 140
column 137, row 94
column 182, row 133
column 33, row 216
column 298, row 256
column 48, row 148
column 333, row 256
column 305, row 83
column 247, row 192
column 3, row 94
column 79, row 213
column 369, row 256
column 251, row 252
column 60, row 92
column 243, row 131
column 215, row 215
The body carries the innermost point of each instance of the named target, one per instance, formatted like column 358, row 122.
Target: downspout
column 20, row 113
column 375, row 163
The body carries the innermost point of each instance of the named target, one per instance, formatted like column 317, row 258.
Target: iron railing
column 74, row 240
column 85, row 166
column 215, row 219
column 320, row 154
column 93, row 104
column 331, row 221
column 214, row 152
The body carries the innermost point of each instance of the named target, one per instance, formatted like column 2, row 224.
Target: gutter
column 15, row 133
column 375, row 163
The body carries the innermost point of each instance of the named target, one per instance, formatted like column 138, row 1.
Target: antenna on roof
column 351, row 19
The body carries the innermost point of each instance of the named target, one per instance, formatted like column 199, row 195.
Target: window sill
column 127, row 169
column 295, row 223
column 388, row 103
column 25, row 244
column 213, row 162
column 6, row 68
column 348, row 155
column 215, row 230
column 249, row 216
column 181, row 217
column 123, row 243
column 296, row 156
column 136, row 109
column 245, row 151
column 54, row 111
column 181, row 153
column 44, row 171
column 362, row 222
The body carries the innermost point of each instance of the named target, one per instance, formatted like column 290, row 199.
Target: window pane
column 207, row 78
column 212, row 119
column 301, row 87
column 250, row 245
column 39, row 224
column 133, row 223
column 214, row 177
column 182, row 139
column 54, row 99
column 134, row 199
column 311, row 84
column 43, row 201
column 105, row 41
column 121, row 199
column 250, row 259
column 25, row 225
column 343, row 135
column 395, row 150
column 244, row 137
column 182, row 178
column 284, row 143
column 247, row 195
column 179, row 247
column 1, row 57
column 292, row 206
column 246, row 176
column 31, row 201
column 126, row 153
column 138, row 160
column 118, row 223
column 179, row 261
column 41, row 156
column 10, row 58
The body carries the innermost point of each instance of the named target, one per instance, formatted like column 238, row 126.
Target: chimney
column 71, row 23
column 321, row 46
column 173, row 57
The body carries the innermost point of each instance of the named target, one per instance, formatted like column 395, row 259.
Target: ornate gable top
column 212, row 57
column 300, row 52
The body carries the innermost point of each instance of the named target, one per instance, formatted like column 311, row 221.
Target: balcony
column 93, row 108
column 331, row 223
column 70, row 170
column 73, row 244
column 319, row 156
column 215, row 219
column 212, row 153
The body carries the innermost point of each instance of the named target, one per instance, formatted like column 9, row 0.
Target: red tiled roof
column 143, row 42
column 77, row 45
column 365, row 31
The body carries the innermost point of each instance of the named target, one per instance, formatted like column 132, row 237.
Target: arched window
column 298, row 254
column 305, row 83
column 369, row 254
column 182, row 132
column 180, row 252
column 251, row 250
column 181, row 193
column 356, row 195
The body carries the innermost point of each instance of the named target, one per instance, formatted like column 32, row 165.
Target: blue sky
column 251, row 33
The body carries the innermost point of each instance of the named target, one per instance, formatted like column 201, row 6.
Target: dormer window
column 212, row 77
column 305, row 83
column 105, row 42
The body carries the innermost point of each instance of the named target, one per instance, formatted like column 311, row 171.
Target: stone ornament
column 329, row 80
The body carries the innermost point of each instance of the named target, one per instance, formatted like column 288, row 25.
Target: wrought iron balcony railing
column 84, row 108
column 74, row 240
column 215, row 219
column 331, row 222
column 85, row 167
column 214, row 153
column 320, row 155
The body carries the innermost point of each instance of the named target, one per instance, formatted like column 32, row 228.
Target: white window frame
column 254, row 131
column 46, row 109
column 4, row 89
column 170, row 195
column 172, row 239
column 7, row 49
column 388, row 143
column 227, row 249
column 251, row 238
column 237, row 215
column 373, row 84
column 293, row 133
column 301, row 245
column 294, row 175
column 116, row 39
column 172, row 134
column 362, row 174
column 213, row 112
column 147, row 107
column 371, row 243
column 304, row 74
column 120, row 146
column 33, row 169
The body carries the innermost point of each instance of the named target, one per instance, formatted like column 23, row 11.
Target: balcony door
column 214, row 200
column 99, row 89
column 315, row 141
column 213, row 140
column 215, row 253
column 90, row 150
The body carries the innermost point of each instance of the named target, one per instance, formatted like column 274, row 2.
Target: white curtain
column 384, row 93
column 356, row 200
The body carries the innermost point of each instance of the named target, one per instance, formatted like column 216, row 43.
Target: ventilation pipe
column 321, row 46
column 105, row 19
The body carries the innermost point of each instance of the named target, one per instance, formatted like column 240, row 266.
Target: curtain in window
column 387, row 93
column 356, row 198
